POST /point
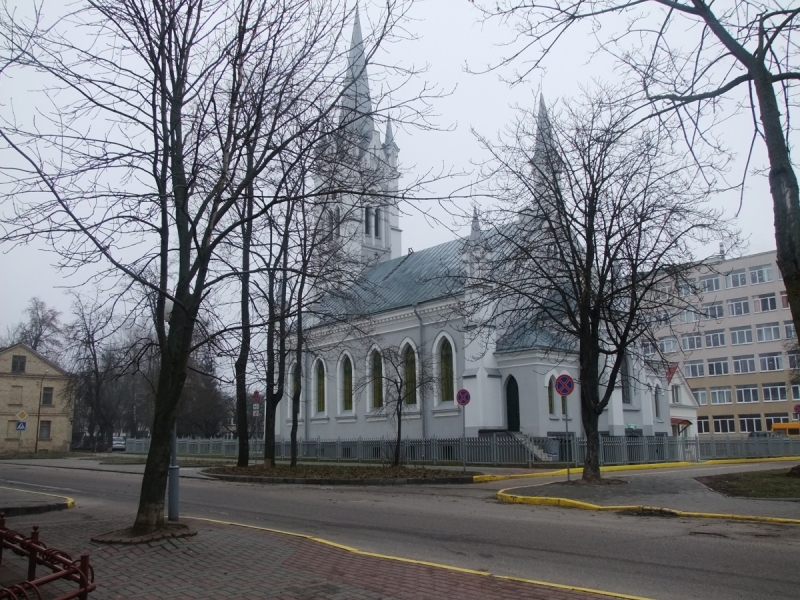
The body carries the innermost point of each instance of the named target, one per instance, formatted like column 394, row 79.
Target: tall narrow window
column 626, row 383
column 551, row 396
column 657, row 402
column 377, row 380
column 377, row 222
column 446, row 372
column 47, row 396
column 320, row 388
column 410, row 368
column 18, row 364
column 368, row 221
column 347, row 384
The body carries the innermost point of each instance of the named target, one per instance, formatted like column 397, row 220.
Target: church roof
column 418, row 277
column 532, row 336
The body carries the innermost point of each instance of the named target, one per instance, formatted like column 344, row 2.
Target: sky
column 448, row 37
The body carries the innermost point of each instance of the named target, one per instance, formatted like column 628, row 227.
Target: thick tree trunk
column 242, row 431
column 269, row 431
column 399, row 435
column 783, row 188
column 590, row 419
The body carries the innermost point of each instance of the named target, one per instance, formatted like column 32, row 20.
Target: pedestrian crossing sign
column 21, row 425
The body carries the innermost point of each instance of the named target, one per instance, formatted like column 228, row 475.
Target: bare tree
column 173, row 82
column 595, row 223
column 692, row 65
column 42, row 330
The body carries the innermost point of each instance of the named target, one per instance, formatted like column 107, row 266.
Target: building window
column 784, row 300
column 320, row 381
column 769, row 419
column 721, row 395
column 47, row 396
column 410, row 372
column 701, row 396
column 368, row 220
column 736, row 279
column 741, row 335
column 713, row 310
column 685, row 288
column 691, row 341
column 648, row 349
column 702, row 425
column 768, row 332
column 746, row 394
column 663, row 317
column 794, row 361
column 668, row 345
column 738, row 307
column 18, row 364
column 676, row 394
column 347, row 384
column 44, row 430
column 789, row 328
column 377, row 379
column 715, row 339
column 771, row 362
column 446, row 371
column 766, row 303
column 774, row 392
column 761, row 274
column 551, row 396
column 725, row 424
column 690, row 315
column 744, row 364
column 796, row 392
column 657, row 402
column 378, row 223
column 625, row 377
column 717, row 366
column 694, row 368
column 749, row 423
column 709, row 284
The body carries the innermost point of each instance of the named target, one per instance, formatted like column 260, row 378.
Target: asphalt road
column 465, row 526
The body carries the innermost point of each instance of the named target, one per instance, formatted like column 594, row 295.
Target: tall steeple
column 356, row 101
column 544, row 152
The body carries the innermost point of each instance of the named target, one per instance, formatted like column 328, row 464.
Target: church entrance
column 512, row 404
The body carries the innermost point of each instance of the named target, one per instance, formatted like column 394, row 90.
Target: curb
column 17, row 511
column 641, row 467
column 326, row 481
column 503, row 496
column 554, row 586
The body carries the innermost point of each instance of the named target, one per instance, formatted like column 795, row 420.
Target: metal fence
column 500, row 449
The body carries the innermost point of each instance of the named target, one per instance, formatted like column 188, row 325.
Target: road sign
column 21, row 425
column 256, row 408
column 797, row 408
column 22, row 415
column 564, row 385
column 462, row 397
column 256, row 397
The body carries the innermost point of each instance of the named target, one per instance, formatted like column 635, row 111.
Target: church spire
column 356, row 101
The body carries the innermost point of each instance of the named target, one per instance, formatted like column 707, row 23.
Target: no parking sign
column 565, row 385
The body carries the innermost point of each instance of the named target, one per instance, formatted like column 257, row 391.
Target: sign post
column 463, row 398
column 21, row 426
column 565, row 386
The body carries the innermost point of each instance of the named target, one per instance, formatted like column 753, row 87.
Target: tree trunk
column 590, row 419
column 269, row 431
column 399, row 433
column 783, row 188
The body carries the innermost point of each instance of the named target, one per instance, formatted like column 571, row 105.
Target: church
column 410, row 302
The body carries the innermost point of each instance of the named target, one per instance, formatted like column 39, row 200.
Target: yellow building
column 35, row 411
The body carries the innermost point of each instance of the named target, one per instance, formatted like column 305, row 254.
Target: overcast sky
column 449, row 36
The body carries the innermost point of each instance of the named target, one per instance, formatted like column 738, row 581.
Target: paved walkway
column 676, row 489
column 225, row 561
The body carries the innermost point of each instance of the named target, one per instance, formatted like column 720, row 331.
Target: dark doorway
column 512, row 404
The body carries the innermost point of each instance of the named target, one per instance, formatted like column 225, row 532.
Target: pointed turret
column 475, row 232
column 356, row 103
column 544, row 154
column 390, row 149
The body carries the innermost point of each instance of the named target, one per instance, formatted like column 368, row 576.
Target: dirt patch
column 756, row 484
column 794, row 472
column 124, row 536
column 305, row 471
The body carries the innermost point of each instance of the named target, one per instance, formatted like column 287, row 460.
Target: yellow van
column 786, row 429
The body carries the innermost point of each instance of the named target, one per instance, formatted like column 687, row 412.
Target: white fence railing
column 500, row 449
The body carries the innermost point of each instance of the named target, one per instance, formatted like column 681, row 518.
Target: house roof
column 38, row 355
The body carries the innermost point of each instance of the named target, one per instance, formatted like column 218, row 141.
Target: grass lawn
column 337, row 472
column 755, row 484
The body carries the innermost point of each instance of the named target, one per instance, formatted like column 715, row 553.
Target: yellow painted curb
column 504, row 496
column 70, row 501
column 423, row 562
column 641, row 467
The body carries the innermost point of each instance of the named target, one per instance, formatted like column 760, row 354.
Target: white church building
column 410, row 302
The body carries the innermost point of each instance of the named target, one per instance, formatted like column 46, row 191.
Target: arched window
column 377, row 222
column 320, row 387
column 410, row 368
column 657, row 402
column 377, row 380
column 368, row 220
column 446, row 372
column 347, row 384
column 551, row 396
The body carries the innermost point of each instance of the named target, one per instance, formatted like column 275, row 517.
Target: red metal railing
column 61, row 566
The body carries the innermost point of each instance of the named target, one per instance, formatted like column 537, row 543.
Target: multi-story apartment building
column 734, row 339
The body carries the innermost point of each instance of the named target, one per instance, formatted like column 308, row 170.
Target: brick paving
column 225, row 561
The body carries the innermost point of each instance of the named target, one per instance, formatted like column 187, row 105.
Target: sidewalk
column 677, row 490
column 14, row 502
column 228, row 561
